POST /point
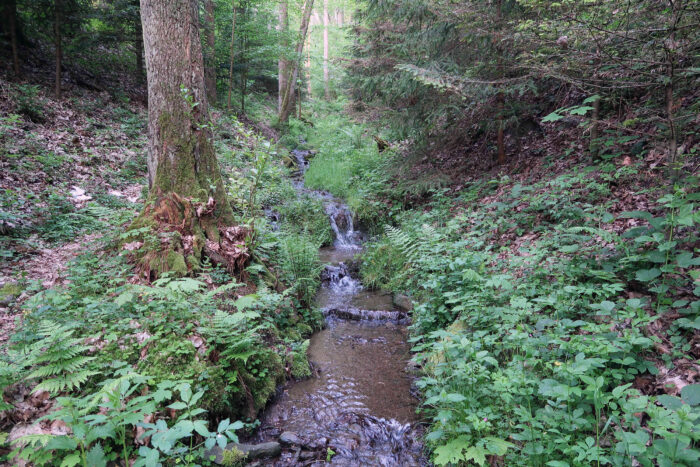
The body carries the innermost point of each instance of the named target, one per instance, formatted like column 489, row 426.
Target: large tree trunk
column 209, row 55
column 57, row 42
column 187, row 202
column 326, row 83
column 282, row 62
column 288, row 97
column 233, row 41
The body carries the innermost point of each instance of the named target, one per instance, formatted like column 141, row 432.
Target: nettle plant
column 107, row 425
column 662, row 248
column 529, row 354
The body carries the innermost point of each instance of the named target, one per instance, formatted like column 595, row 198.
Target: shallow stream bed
column 358, row 407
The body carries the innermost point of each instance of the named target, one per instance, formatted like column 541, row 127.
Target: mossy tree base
column 176, row 233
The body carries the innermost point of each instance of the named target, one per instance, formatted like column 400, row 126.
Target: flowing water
column 359, row 403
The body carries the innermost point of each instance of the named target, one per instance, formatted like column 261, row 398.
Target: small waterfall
column 337, row 278
column 342, row 223
column 303, row 164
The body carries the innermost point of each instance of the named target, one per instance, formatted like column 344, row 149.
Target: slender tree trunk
column 308, row 66
column 59, row 51
column 11, row 14
column 209, row 55
column 292, row 74
column 500, row 98
column 669, row 92
column 186, row 191
column 595, row 130
column 326, row 81
column 299, row 102
column 138, row 46
column 233, row 40
column 282, row 62
column 500, row 141
column 244, row 74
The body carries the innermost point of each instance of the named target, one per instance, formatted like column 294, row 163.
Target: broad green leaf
column 450, row 452
column 477, row 454
column 223, row 425
column 670, row 402
column 691, row 394
column 553, row 117
column 497, row 446
column 71, row 460
column 647, row 275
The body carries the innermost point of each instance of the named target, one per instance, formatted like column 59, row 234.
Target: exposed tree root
column 174, row 233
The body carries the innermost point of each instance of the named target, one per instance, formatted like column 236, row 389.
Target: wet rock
column 402, row 301
column 341, row 220
column 252, row 451
column 291, row 438
column 319, row 443
column 334, row 273
column 305, row 455
column 354, row 314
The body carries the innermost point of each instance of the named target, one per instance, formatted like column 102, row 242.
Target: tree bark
column 187, row 199
column 209, row 55
column 282, row 62
column 57, row 42
column 287, row 100
column 326, row 81
column 233, row 40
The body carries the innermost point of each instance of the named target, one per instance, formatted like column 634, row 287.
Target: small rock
column 402, row 301
column 253, row 451
column 290, row 438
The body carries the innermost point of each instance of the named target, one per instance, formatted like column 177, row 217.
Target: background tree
column 293, row 71
column 209, row 50
column 9, row 27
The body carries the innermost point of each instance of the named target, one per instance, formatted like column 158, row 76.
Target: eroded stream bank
column 358, row 407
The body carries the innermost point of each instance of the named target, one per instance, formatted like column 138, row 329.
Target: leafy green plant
column 301, row 264
column 57, row 360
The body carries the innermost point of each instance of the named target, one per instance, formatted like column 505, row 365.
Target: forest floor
column 74, row 177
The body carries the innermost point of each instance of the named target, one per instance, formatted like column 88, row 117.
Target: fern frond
column 57, row 360
column 408, row 246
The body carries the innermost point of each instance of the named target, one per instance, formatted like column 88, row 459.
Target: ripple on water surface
column 359, row 404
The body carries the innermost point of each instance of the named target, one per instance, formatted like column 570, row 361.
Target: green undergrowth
column 177, row 360
column 347, row 162
column 553, row 327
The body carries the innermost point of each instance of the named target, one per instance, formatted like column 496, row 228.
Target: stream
column 359, row 402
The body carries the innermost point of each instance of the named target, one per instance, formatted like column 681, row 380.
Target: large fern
column 415, row 249
column 58, row 359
